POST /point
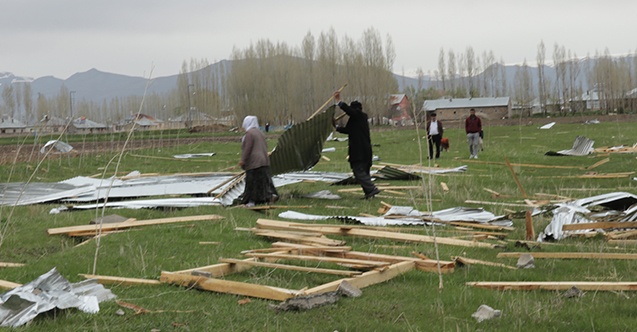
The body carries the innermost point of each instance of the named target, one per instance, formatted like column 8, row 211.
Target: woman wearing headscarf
column 256, row 163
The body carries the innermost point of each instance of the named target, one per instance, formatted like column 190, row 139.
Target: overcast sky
column 132, row 37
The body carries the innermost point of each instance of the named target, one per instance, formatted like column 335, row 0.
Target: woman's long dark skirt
column 259, row 187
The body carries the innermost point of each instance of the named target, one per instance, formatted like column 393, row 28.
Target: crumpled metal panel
column 391, row 173
column 581, row 147
column 411, row 217
column 622, row 205
column 299, row 148
column 50, row 290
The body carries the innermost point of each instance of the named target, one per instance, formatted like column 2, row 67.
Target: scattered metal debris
column 193, row 155
column 622, row 207
column 548, row 125
column 58, row 145
column 485, row 312
column 323, row 194
column 50, row 290
column 581, row 147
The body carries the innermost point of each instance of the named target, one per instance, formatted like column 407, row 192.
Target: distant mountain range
column 97, row 86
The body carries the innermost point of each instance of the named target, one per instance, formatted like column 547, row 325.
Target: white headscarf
column 250, row 122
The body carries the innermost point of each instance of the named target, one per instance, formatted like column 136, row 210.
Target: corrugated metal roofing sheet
column 299, row 148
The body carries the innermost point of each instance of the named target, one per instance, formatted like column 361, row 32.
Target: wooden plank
column 8, row 284
column 495, row 203
column 470, row 261
column 227, row 286
column 127, row 224
column 422, row 263
column 570, row 255
column 324, row 241
column 383, row 188
column 621, row 235
column 7, row 264
column 299, row 248
column 530, row 231
column 602, row 225
column 337, row 230
column 623, row 242
column 555, row 285
column 478, row 225
column 319, row 259
column 601, row 162
column 366, row 279
column 290, row 267
column 120, row 280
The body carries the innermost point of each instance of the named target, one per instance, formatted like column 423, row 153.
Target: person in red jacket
column 473, row 127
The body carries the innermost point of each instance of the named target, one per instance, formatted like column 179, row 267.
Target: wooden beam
column 227, row 286
column 120, row 280
column 515, row 177
column 601, row 162
column 322, row 240
column 570, row 255
column 345, row 230
column 602, row 225
column 470, row 261
column 366, row 279
column 319, row 259
column 7, row 264
column 555, row 285
column 290, row 267
column 530, row 231
column 495, row 203
column 478, row 225
column 8, row 284
column 128, row 224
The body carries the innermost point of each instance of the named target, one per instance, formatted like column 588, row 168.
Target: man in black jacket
column 360, row 144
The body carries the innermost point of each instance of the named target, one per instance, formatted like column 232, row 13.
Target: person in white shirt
column 434, row 135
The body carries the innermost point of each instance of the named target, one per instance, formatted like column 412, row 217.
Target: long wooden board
column 319, row 259
column 129, row 224
column 345, row 230
column 290, row 267
column 8, row 284
column 602, row 225
column 570, row 255
column 366, row 279
column 555, row 285
column 227, row 286
column 120, row 280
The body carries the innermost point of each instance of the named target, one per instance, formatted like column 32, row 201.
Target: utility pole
column 189, row 124
column 71, row 98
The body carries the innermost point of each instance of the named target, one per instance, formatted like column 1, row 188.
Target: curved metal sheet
column 300, row 147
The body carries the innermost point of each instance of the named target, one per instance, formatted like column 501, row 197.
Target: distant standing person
column 473, row 127
column 267, row 127
column 434, row 135
column 259, row 187
column 360, row 144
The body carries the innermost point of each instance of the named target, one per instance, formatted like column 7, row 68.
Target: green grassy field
column 410, row 302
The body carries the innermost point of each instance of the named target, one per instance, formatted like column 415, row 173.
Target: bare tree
column 523, row 89
column 451, row 70
column 541, row 84
column 442, row 68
